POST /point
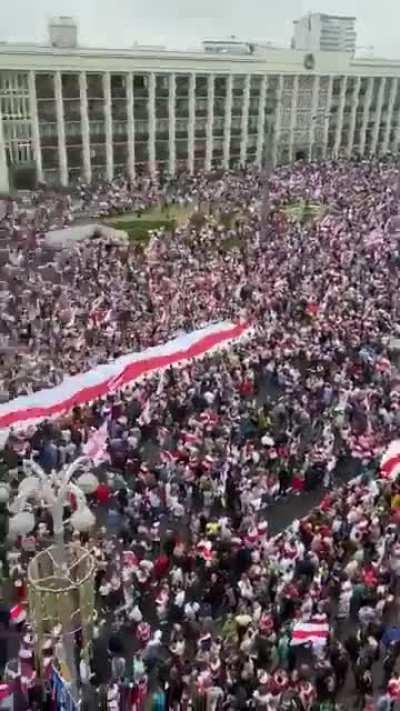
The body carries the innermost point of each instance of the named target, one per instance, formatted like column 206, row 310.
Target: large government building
column 70, row 112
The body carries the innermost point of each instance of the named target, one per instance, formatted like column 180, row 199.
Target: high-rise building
column 87, row 113
column 328, row 33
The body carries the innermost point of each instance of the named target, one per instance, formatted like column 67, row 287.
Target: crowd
column 205, row 608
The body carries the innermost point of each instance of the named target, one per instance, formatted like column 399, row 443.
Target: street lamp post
column 53, row 491
column 267, row 170
column 398, row 182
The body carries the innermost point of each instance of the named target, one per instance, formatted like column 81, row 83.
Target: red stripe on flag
column 389, row 465
column 303, row 634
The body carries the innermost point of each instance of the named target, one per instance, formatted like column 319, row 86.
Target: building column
column 314, row 116
column 108, row 125
column 191, row 122
column 353, row 116
column 244, row 127
column 293, row 116
column 171, row 124
column 152, row 123
column 261, row 122
column 367, row 104
column 339, row 125
column 210, row 121
column 37, row 150
column 85, row 128
column 275, row 135
column 130, row 126
column 392, row 99
column 228, row 121
column 327, row 118
column 62, row 150
column 378, row 116
column 396, row 141
column 4, row 177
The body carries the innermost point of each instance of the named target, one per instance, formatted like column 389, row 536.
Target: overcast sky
column 184, row 23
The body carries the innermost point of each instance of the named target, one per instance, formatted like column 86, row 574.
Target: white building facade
column 90, row 114
column 328, row 33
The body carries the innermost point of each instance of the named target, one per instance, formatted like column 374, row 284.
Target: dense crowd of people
column 200, row 607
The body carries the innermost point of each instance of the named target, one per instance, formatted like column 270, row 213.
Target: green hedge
column 138, row 229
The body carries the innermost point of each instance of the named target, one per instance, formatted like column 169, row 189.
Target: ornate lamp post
column 53, row 491
column 61, row 580
column 267, row 170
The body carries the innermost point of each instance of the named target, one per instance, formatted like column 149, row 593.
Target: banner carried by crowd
column 314, row 631
column 106, row 379
column 390, row 462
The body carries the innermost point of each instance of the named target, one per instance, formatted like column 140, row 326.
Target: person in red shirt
column 161, row 566
column 102, row 494
column 246, row 387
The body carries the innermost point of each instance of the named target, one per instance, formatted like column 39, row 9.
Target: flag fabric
column 18, row 614
column 390, row 462
column 315, row 632
column 96, row 446
column 129, row 559
column 105, row 379
column 7, row 696
column 393, row 689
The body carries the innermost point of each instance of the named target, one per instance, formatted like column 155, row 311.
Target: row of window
column 70, row 83
column 299, row 137
column 14, row 93
column 72, row 109
column 98, row 153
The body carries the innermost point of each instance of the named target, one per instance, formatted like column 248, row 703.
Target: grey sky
column 184, row 23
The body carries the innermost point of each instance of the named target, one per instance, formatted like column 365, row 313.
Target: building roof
column 24, row 57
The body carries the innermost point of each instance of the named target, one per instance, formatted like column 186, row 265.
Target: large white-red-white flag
column 109, row 377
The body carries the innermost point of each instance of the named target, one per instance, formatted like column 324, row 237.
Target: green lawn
column 300, row 212
column 152, row 219
column 179, row 213
column 174, row 212
column 156, row 217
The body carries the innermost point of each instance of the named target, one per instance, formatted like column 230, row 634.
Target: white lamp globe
column 21, row 524
column 83, row 519
column 4, row 492
column 88, row 483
